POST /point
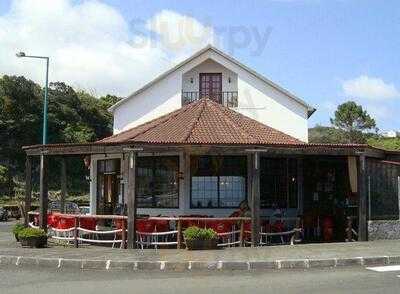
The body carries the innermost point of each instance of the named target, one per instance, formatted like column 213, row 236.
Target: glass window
column 278, row 182
column 157, row 184
column 218, row 181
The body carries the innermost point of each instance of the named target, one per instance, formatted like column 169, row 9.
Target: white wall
column 257, row 99
column 161, row 98
column 262, row 102
column 209, row 66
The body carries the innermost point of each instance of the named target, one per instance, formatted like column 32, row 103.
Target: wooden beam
column 255, row 200
column 63, row 178
column 363, row 199
column 43, row 201
column 83, row 149
column 300, row 186
column 131, row 200
column 28, row 188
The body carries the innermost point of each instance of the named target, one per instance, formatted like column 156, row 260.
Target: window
column 218, row 181
column 278, row 182
column 157, row 184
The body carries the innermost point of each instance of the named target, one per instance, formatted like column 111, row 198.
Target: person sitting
column 243, row 211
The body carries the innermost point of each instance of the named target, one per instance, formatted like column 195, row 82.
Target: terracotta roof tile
column 203, row 122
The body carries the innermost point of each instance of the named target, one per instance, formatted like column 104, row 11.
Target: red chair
column 52, row 220
column 88, row 223
column 66, row 222
column 119, row 222
column 144, row 230
column 162, row 225
column 278, row 226
column 194, row 223
column 145, row 226
column 224, row 229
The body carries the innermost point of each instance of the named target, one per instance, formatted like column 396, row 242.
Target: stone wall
column 383, row 229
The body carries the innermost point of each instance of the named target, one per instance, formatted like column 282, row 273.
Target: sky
column 324, row 51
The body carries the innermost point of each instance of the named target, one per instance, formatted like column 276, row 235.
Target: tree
column 353, row 120
column 74, row 117
column 4, row 180
column 322, row 134
column 385, row 143
column 108, row 101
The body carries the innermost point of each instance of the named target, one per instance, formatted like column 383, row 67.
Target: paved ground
column 310, row 251
column 345, row 280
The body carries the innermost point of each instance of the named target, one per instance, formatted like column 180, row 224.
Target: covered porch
column 204, row 160
column 295, row 187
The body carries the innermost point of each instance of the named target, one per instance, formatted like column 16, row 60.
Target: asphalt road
column 346, row 280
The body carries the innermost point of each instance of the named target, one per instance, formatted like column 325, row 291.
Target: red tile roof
column 203, row 122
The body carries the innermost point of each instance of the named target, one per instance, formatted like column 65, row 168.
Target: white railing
column 235, row 231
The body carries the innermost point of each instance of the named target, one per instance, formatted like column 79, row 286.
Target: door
column 211, row 86
column 108, row 185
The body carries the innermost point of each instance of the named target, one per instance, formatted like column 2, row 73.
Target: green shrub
column 195, row 233
column 17, row 229
column 31, row 232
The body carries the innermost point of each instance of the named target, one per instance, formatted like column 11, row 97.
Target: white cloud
column 90, row 45
column 369, row 88
column 179, row 32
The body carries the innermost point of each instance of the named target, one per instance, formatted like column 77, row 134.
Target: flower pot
column 201, row 244
column 34, row 242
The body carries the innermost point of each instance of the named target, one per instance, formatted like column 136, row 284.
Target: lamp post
column 43, row 160
column 45, row 104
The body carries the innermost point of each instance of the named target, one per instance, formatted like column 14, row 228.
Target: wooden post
column 363, row 199
column 241, row 236
column 179, row 234
column 43, row 201
column 349, row 229
column 123, row 244
column 28, row 188
column 300, row 186
column 255, row 201
column 298, row 226
column 131, row 200
column 76, row 225
column 63, row 184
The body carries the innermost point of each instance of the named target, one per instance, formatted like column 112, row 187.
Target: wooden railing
column 229, row 98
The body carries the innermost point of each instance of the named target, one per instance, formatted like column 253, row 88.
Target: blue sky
column 326, row 52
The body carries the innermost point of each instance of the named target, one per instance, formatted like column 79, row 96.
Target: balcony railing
column 229, row 99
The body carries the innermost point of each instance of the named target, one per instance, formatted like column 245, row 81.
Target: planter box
column 34, row 242
column 201, row 244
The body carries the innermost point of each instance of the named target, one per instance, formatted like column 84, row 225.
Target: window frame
column 155, row 157
column 287, row 174
column 218, row 175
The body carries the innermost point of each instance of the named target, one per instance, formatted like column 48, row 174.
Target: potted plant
column 200, row 239
column 16, row 229
column 32, row 237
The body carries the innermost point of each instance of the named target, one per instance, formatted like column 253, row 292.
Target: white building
column 211, row 133
column 391, row 134
column 213, row 73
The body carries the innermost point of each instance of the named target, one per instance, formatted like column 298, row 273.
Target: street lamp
column 45, row 104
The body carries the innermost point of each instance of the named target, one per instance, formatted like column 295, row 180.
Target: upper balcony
column 212, row 80
column 228, row 99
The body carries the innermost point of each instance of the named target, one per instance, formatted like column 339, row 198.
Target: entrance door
column 108, row 185
column 211, row 86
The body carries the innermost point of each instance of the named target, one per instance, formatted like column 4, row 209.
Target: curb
column 176, row 266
